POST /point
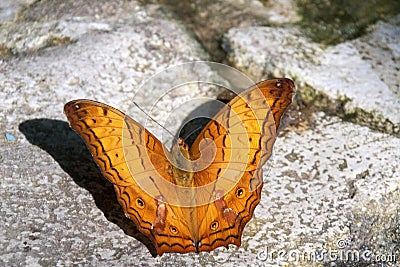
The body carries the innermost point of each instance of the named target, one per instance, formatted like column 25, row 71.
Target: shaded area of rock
column 210, row 20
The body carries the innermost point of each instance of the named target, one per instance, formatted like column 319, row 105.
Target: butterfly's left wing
column 243, row 133
column 134, row 160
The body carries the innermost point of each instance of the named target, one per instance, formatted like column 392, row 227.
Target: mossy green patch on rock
column 332, row 22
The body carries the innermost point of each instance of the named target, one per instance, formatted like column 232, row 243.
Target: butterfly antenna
column 173, row 136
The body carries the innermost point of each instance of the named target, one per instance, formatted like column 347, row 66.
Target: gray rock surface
column 332, row 185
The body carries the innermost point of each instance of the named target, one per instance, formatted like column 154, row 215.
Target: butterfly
column 190, row 198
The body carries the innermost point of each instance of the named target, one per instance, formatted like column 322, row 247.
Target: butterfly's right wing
column 134, row 160
column 243, row 132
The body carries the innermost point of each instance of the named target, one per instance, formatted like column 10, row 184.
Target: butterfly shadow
column 69, row 150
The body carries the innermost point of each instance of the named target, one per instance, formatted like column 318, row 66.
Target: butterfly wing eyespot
column 139, row 203
column 173, row 229
column 214, row 225
column 240, row 193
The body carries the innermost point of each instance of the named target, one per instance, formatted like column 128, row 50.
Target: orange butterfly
column 194, row 198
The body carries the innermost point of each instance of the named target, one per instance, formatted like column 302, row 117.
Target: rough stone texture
column 359, row 79
column 330, row 183
column 316, row 188
column 381, row 50
column 9, row 8
column 280, row 12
